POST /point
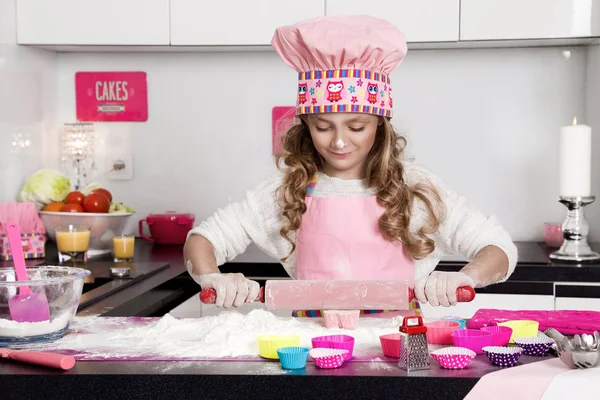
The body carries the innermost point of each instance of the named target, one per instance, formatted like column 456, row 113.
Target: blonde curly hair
column 383, row 171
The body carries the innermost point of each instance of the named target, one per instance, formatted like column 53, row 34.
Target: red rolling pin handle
column 464, row 294
column 51, row 360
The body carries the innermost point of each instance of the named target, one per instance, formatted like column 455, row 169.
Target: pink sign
column 111, row 96
column 283, row 119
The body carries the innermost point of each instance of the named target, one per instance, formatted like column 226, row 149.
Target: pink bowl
column 501, row 334
column 473, row 339
column 438, row 332
column 453, row 357
column 390, row 344
column 328, row 358
column 344, row 342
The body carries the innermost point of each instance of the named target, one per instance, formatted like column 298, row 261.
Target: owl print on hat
column 372, row 90
column 302, row 89
column 334, row 90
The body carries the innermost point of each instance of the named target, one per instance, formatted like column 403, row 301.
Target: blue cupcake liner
column 461, row 322
column 293, row 357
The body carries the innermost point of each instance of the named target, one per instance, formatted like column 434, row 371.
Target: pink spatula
column 27, row 306
column 51, row 360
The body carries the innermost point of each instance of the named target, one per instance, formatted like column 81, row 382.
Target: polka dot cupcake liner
column 453, row 357
column 534, row 346
column 328, row 358
column 503, row 356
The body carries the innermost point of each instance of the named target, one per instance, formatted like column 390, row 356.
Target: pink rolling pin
column 52, row 360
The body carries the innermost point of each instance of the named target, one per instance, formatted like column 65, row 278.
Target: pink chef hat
column 343, row 63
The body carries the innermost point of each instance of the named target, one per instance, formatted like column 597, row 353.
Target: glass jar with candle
column 72, row 242
column 123, row 248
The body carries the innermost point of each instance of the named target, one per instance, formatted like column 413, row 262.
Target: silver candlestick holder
column 575, row 247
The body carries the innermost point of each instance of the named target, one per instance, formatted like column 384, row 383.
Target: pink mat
column 567, row 322
column 526, row 382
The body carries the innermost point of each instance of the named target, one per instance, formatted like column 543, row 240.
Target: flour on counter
column 11, row 329
column 228, row 334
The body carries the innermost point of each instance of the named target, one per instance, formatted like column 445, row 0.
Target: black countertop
column 236, row 380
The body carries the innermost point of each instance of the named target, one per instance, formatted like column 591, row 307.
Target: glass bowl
column 62, row 286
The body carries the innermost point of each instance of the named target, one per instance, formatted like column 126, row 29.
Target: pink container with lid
column 169, row 227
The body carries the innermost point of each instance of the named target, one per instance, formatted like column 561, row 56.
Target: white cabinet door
column 235, row 22
column 528, row 19
column 421, row 21
column 577, row 296
column 496, row 301
column 82, row 22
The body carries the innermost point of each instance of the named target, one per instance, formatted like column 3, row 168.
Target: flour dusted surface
column 229, row 334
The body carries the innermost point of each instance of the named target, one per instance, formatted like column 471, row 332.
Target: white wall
column 485, row 120
column 28, row 93
column 592, row 111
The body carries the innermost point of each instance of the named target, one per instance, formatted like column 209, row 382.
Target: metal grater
column 414, row 353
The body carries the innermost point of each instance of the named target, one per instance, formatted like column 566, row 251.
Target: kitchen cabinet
column 497, row 301
column 579, row 296
column 235, row 22
column 76, row 22
column 421, row 21
column 528, row 19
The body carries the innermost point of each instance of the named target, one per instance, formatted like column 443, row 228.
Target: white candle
column 575, row 160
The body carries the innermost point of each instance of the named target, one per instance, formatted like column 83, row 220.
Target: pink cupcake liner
column 453, row 357
column 390, row 344
column 438, row 332
column 343, row 342
column 472, row 339
column 328, row 358
column 343, row 319
column 501, row 334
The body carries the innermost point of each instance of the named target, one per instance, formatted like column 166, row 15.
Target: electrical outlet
column 119, row 167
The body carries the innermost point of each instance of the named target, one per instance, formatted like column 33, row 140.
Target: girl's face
column 344, row 141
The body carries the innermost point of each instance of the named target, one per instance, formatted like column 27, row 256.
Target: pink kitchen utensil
column 343, row 342
column 472, row 339
column 328, row 358
column 390, row 344
column 27, row 306
column 52, row 360
column 453, row 357
column 501, row 334
column 438, row 332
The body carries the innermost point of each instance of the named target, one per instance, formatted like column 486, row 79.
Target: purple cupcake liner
column 503, row 356
column 534, row 346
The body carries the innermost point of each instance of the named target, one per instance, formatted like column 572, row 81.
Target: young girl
column 344, row 204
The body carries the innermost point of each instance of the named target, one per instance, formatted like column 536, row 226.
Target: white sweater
column 258, row 219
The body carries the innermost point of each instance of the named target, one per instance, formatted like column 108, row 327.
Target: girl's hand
column 232, row 289
column 439, row 288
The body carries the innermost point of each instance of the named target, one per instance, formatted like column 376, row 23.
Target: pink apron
column 339, row 239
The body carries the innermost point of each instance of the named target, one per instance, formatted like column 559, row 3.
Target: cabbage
column 88, row 189
column 44, row 187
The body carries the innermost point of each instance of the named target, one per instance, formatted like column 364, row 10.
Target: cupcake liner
column 534, row 346
column 344, row 342
column 328, row 358
column 503, row 356
column 343, row 319
column 462, row 323
column 293, row 357
column 472, row 339
column 501, row 334
column 439, row 332
column 390, row 344
column 453, row 357
column 521, row 328
column 268, row 344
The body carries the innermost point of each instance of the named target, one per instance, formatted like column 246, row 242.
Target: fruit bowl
column 103, row 226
